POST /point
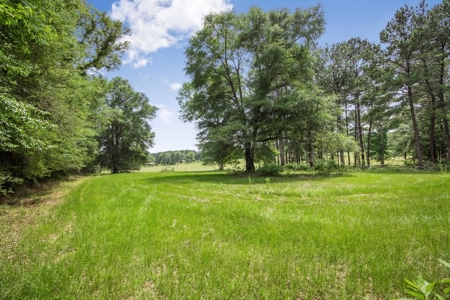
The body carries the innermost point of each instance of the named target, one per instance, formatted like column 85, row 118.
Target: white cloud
column 157, row 24
column 175, row 86
column 166, row 115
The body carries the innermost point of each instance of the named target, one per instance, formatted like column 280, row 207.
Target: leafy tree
column 151, row 158
column 127, row 135
column 101, row 40
column 217, row 152
column 47, row 104
column 178, row 157
column 164, row 158
column 190, row 156
column 250, row 75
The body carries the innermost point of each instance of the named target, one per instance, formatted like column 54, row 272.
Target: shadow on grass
column 34, row 193
column 241, row 179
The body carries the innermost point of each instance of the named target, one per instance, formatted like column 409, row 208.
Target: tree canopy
column 125, row 134
column 257, row 81
column 250, row 79
column 48, row 102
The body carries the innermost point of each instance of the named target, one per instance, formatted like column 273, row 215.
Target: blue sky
column 161, row 29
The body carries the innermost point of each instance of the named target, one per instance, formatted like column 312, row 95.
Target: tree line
column 260, row 88
column 57, row 115
column 174, row 157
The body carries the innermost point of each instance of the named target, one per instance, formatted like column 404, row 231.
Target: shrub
column 8, row 183
column 269, row 170
column 325, row 167
column 167, row 169
column 297, row 167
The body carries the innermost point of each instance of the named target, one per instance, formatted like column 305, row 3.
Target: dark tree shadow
column 241, row 179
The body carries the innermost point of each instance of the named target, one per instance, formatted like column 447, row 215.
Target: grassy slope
column 210, row 235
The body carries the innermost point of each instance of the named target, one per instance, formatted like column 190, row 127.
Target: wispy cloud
column 157, row 24
column 166, row 115
column 175, row 86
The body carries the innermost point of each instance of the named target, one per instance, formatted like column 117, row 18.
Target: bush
column 8, row 183
column 325, row 167
column 290, row 166
column 269, row 170
column 297, row 167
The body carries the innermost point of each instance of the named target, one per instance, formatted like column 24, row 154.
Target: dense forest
column 57, row 114
column 260, row 88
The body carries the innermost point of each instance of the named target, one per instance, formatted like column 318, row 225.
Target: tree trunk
column 415, row 128
column 311, row 151
column 277, row 147
column 355, row 155
column 282, row 152
column 433, row 154
column 311, row 156
column 382, row 145
column 432, row 129
column 368, row 143
column 249, row 159
column 360, row 134
column 348, row 158
column 342, row 157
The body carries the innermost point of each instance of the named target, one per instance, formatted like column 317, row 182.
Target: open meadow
column 209, row 235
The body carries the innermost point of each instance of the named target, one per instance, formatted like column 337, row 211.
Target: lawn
column 209, row 235
column 188, row 167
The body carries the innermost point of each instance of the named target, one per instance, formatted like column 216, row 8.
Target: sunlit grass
column 186, row 167
column 214, row 236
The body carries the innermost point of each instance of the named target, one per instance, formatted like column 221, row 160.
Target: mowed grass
column 208, row 235
column 188, row 167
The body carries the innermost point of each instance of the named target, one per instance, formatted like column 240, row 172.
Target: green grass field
column 191, row 167
column 208, row 235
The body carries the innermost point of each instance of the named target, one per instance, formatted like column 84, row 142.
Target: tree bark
column 249, row 159
column 368, row 143
column 432, row 129
column 415, row 127
column 282, row 152
column 360, row 134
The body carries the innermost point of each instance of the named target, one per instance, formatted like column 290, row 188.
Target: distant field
column 191, row 167
column 192, row 235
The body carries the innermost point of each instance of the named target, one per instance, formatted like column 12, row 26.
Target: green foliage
column 250, row 80
column 325, row 167
column 424, row 290
column 8, row 183
column 126, row 136
column 190, row 156
column 269, row 170
column 297, row 167
column 167, row 170
column 48, row 104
